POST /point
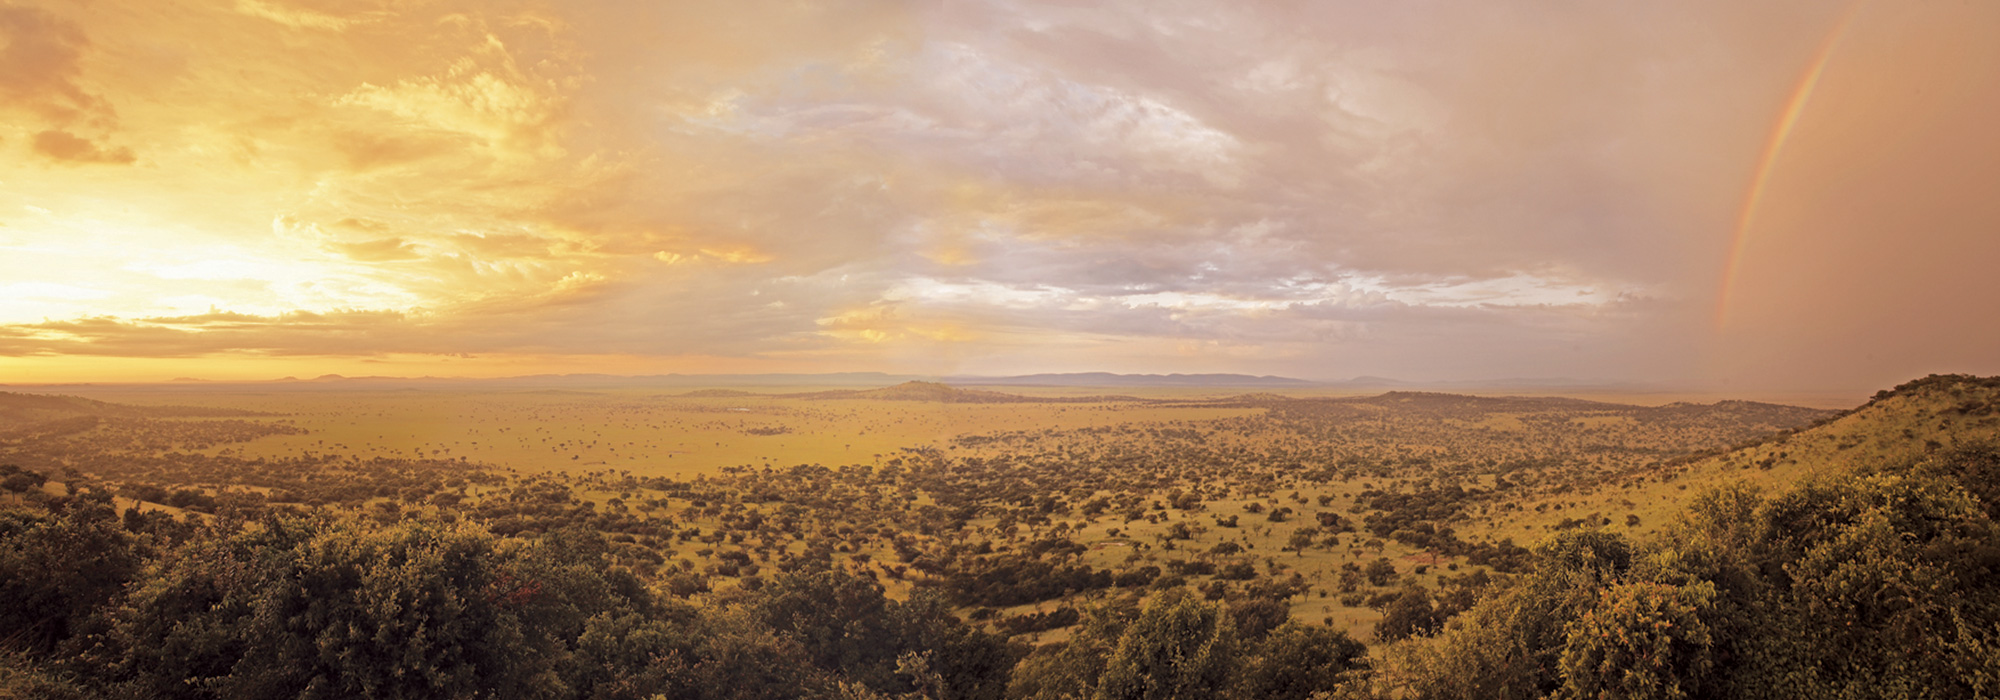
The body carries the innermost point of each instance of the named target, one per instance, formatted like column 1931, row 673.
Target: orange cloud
column 306, row 18
column 1219, row 187
column 40, row 66
column 379, row 250
column 67, row 147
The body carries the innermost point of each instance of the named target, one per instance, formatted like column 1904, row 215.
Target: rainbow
column 1773, row 147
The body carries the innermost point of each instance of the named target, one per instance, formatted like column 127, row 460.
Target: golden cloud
column 66, row 147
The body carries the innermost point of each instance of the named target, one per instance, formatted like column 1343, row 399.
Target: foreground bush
column 1878, row 585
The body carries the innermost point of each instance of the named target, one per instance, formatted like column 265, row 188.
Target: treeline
column 317, row 603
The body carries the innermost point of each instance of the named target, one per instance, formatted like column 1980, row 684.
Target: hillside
column 18, row 409
column 1898, row 426
column 28, row 418
column 1859, row 557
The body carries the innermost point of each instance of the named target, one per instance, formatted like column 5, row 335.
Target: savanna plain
column 337, row 539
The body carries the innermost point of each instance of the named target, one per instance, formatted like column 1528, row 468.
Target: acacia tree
column 58, row 567
column 324, row 607
column 1297, row 661
column 1180, row 647
column 1409, row 614
column 1642, row 640
column 1070, row 670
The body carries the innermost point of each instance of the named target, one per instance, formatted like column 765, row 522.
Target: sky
column 1772, row 195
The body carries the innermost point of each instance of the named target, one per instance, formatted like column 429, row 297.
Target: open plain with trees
column 939, row 542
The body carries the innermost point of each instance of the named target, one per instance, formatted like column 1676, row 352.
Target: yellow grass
column 645, row 433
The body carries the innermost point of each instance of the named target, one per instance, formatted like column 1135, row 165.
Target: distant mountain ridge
column 917, row 391
column 859, row 380
column 850, row 380
column 1112, row 379
column 914, row 390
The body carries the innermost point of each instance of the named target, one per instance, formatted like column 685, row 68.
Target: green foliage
column 1256, row 615
column 846, row 626
column 58, row 566
column 320, row 607
column 1898, row 582
column 1379, row 572
column 1885, row 585
column 1508, row 645
column 18, row 480
column 1179, row 647
column 631, row 656
column 840, row 620
column 962, row 663
column 1295, row 661
column 1070, row 670
column 1973, row 466
column 1641, row 640
column 24, row 679
column 739, row 659
column 1409, row 614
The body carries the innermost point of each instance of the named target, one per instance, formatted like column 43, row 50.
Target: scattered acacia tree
column 1379, row 572
column 1409, row 614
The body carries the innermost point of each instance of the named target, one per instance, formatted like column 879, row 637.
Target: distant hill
column 943, row 393
column 20, row 409
column 1109, row 379
column 917, row 391
column 27, row 416
column 850, row 380
column 1745, row 417
column 831, row 380
column 1441, row 400
column 715, row 394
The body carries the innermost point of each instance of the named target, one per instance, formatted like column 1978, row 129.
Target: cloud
column 206, row 334
column 40, row 66
column 378, row 250
column 366, row 151
column 1317, row 189
column 70, row 148
column 464, row 101
column 303, row 17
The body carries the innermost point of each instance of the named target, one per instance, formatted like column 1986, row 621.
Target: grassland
column 929, row 485
column 648, row 434
column 1022, row 511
